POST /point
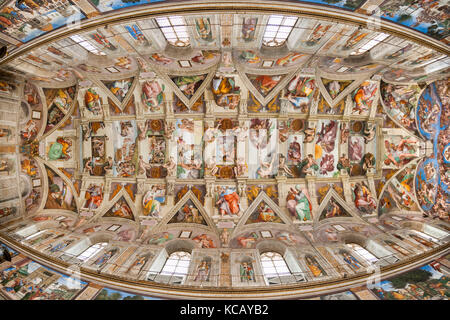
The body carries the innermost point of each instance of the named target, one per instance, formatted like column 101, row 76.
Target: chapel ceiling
column 220, row 132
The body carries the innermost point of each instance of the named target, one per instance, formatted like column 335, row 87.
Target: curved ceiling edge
column 298, row 9
column 283, row 292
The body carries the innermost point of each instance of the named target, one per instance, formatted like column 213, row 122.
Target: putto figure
column 308, row 165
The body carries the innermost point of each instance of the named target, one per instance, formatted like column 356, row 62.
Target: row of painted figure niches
column 25, row 279
column 263, row 255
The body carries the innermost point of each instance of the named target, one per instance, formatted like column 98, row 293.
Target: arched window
column 177, row 264
column 370, row 44
column 278, row 29
column 174, row 30
column 82, row 41
column 362, row 252
column 438, row 232
column 91, row 251
column 274, row 267
column 426, row 236
column 39, row 232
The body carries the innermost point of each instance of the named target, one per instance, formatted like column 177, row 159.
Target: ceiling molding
column 252, row 6
column 300, row 290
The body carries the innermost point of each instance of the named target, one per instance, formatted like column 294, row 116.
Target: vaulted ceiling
column 287, row 124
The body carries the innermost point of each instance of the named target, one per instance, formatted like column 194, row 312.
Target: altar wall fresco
column 24, row 279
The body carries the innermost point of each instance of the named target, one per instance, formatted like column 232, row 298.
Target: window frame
column 363, row 252
column 167, row 27
column 272, row 37
column 85, row 44
column 97, row 247
column 426, row 236
column 271, row 257
column 174, row 263
column 31, row 236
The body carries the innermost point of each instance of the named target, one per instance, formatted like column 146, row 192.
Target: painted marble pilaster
column 310, row 146
column 347, row 189
column 311, row 185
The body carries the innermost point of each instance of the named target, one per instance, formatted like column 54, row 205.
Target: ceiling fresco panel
column 325, row 148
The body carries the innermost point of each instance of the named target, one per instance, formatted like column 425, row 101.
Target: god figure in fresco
column 266, row 168
column 327, row 136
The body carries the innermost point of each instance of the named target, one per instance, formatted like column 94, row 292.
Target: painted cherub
column 369, row 132
column 368, row 162
column 241, row 133
column 310, row 134
column 211, row 133
column 344, row 163
column 86, row 129
column 345, row 132
column 143, row 166
column 142, row 129
column 283, row 169
column 169, row 128
column 211, row 165
column 109, row 165
column 170, row 166
column 307, row 165
column 88, row 166
column 241, row 167
column 283, row 131
column 225, row 236
column 266, row 168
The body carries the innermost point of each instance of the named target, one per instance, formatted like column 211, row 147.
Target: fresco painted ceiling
column 225, row 133
column 27, row 20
